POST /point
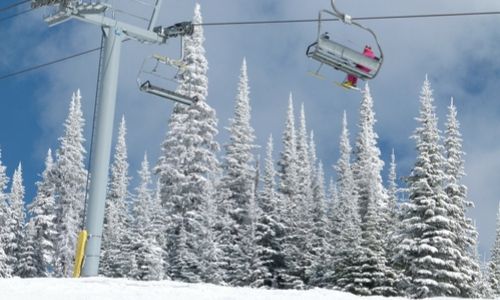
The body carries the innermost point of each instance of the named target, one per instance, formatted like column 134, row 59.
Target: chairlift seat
column 167, row 94
column 343, row 58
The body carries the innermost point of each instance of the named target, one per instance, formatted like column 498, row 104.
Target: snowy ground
column 119, row 289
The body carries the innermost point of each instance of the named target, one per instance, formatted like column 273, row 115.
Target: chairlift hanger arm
column 348, row 19
column 335, row 14
column 342, row 16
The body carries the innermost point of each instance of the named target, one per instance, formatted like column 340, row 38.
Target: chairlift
column 327, row 51
column 150, row 68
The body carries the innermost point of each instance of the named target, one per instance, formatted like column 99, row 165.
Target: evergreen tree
column 368, row 165
column 313, row 161
column 269, row 230
column 144, row 202
column 186, row 169
column 333, row 197
column 69, row 176
column 494, row 263
column 482, row 285
column 465, row 231
column 321, row 247
column 17, row 220
column 393, row 210
column 346, row 223
column 43, row 213
column 292, row 276
column 303, row 233
column 238, row 184
column 392, row 194
column 29, row 263
column 256, row 177
column 5, row 269
column 426, row 253
column 147, row 229
column 117, row 254
column 376, row 277
column 6, row 260
column 332, row 202
column 288, row 157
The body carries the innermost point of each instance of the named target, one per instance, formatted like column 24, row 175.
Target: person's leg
column 354, row 81
column 351, row 80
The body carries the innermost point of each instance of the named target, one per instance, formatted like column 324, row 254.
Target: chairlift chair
column 148, row 87
column 340, row 57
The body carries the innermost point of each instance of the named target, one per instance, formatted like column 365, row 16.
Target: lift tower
column 114, row 33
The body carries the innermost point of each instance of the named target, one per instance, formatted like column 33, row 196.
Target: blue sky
column 458, row 54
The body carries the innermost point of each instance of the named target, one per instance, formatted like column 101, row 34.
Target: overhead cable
column 15, row 15
column 11, row 6
column 49, row 63
column 417, row 16
column 269, row 22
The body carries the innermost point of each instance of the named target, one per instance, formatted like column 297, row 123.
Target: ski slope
column 120, row 289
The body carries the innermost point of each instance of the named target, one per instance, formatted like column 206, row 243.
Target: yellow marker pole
column 80, row 253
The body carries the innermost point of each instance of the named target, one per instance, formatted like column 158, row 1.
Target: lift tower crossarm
column 92, row 14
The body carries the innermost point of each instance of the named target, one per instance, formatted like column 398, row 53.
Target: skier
column 351, row 81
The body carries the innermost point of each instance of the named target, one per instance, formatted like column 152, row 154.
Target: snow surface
column 120, row 289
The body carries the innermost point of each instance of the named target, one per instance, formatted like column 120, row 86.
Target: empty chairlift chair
column 150, row 69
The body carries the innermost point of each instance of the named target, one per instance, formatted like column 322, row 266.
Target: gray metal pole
column 154, row 16
column 102, row 149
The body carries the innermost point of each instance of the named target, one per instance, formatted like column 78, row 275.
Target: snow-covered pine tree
column 375, row 274
column 6, row 262
column 149, row 260
column 43, row 216
column 117, row 255
column 187, row 167
column 29, row 264
column 288, row 157
column 288, row 172
column 376, row 277
column 393, row 209
column 238, row 183
column 494, row 263
column 313, row 159
column 17, row 220
column 333, row 197
column 69, row 176
column 5, row 269
column 426, row 253
column 392, row 194
column 465, row 231
column 321, row 247
column 256, row 177
column 212, row 253
column 269, row 230
column 332, row 202
column 346, row 222
column 147, row 229
column 482, row 285
column 368, row 165
column 303, row 232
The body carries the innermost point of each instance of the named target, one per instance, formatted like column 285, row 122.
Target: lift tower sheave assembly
column 114, row 33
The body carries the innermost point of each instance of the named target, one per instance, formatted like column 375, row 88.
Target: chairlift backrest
column 341, row 57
